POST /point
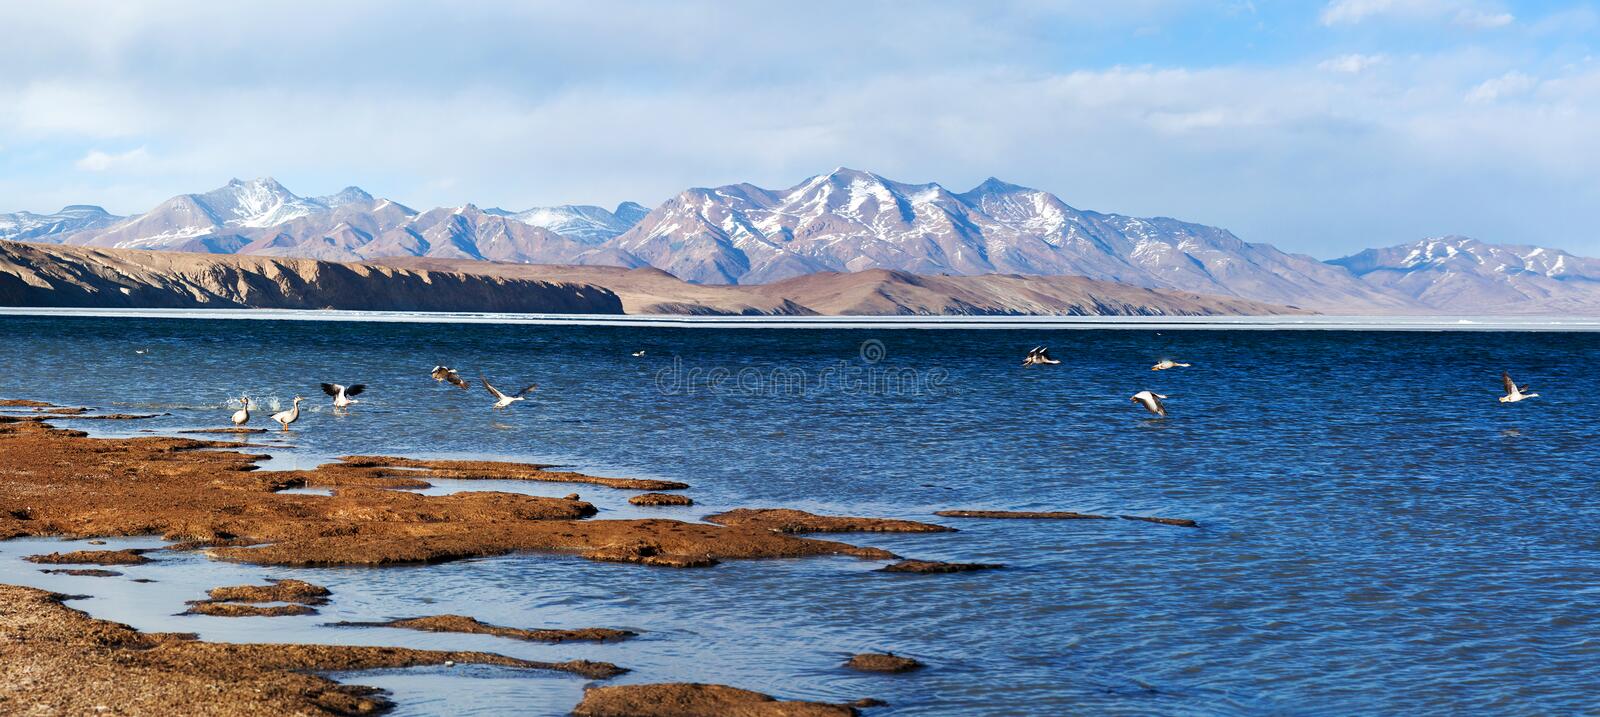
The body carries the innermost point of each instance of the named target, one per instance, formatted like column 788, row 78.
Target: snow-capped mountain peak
column 848, row 220
column 583, row 222
column 1465, row 275
column 28, row 226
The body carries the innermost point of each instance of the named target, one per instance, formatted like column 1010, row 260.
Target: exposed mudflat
column 784, row 520
column 56, row 660
column 1180, row 522
column 298, row 591
column 63, row 483
column 206, row 495
column 660, row 499
column 235, row 609
column 492, row 470
column 1022, row 515
column 231, row 430
column 934, row 566
column 695, row 700
column 882, row 662
column 83, row 572
column 468, row 625
column 92, row 557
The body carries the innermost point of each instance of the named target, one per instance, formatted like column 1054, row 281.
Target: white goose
column 448, row 375
column 1039, row 356
column 341, row 394
column 1165, row 364
column 502, row 400
column 289, row 416
column 1514, row 392
column 242, row 416
column 639, row 353
column 1151, row 402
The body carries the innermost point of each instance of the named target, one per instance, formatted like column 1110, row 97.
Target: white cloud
column 1507, row 85
column 1458, row 12
column 1321, row 155
column 1482, row 20
column 98, row 161
column 1349, row 12
column 1351, row 64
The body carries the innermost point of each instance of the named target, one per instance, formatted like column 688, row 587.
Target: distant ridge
column 89, row 277
column 844, row 221
column 1467, row 276
column 86, row 277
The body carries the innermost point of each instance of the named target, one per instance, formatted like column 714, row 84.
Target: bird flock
column 1156, row 402
column 344, row 396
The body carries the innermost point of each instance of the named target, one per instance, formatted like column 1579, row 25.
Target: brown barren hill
column 644, row 290
column 71, row 276
column 881, row 292
column 875, row 292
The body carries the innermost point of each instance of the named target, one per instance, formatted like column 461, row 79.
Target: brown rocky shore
column 55, row 660
column 57, row 482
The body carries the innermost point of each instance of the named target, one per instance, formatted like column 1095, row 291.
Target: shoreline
column 1035, row 323
column 366, row 521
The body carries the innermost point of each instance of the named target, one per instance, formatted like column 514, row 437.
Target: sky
column 1322, row 127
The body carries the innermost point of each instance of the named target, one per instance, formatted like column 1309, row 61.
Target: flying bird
column 1151, row 402
column 639, row 353
column 1039, row 356
column 242, row 416
column 341, row 394
column 1165, row 364
column 289, row 416
column 448, row 375
column 502, row 400
column 1514, row 392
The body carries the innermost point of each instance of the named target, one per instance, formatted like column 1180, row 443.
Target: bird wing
column 1044, row 353
column 332, row 389
column 1161, row 408
column 455, row 379
column 528, row 390
column 492, row 390
column 355, row 390
column 1511, row 386
column 1523, row 388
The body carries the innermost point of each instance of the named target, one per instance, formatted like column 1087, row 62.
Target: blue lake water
column 1379, row 534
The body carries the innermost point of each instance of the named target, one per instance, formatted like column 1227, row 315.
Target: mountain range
column 846, row 221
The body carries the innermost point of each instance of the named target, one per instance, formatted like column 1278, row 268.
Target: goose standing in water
column 448, row 375
column 242, row 416
column 1151, row 402
column 1039, row 356
column 289, row 416
column 1165, row 364
column 1514, row 392
column 502, row 400
column 341, row 394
